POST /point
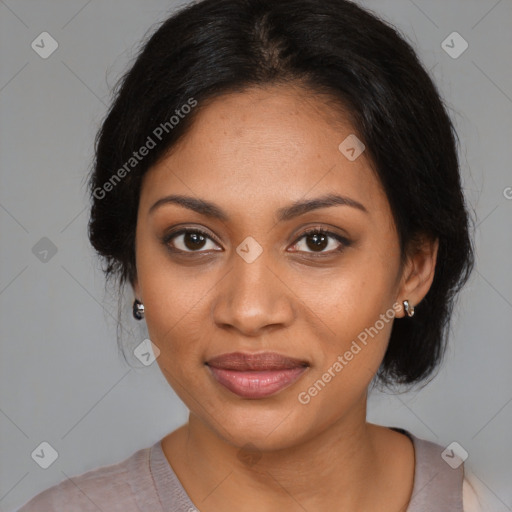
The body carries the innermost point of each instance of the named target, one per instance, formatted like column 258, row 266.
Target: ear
column 418, row 272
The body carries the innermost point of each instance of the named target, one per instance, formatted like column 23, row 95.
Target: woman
column 278, row 183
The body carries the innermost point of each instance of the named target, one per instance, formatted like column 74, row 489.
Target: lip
column 256, row 375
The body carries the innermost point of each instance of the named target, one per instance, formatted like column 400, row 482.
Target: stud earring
column 408, row 308
column 138, row 309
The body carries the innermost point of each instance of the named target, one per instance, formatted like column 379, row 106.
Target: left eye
column 317, row 240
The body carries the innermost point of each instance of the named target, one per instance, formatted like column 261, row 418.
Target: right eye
column 188, row 240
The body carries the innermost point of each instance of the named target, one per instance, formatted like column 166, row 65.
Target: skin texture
column 251, row 154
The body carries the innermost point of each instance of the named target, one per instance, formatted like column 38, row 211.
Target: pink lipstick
column 256, row 375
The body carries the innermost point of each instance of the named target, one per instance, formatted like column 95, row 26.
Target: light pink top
column 146, row 482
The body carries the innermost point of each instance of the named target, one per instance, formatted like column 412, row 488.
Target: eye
column 318, row 239
column 196, row 241
column 188, row 240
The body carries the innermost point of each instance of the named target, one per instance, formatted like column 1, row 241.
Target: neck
column 332, row 468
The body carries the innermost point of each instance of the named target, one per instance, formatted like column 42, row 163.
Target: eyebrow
column 211, row 210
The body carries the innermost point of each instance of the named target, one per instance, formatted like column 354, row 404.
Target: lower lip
column 256, row 384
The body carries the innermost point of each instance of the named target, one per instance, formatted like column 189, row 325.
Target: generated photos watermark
column 151, row 142
column 344, row 359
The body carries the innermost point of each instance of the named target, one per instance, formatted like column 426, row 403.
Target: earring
column 408, row 308
column 138, row 309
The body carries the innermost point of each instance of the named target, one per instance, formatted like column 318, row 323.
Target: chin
column 267, row 426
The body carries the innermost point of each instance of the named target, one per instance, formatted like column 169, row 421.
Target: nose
column 253, row 298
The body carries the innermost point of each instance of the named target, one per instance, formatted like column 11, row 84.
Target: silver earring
column 408, row 308
column 138, row 309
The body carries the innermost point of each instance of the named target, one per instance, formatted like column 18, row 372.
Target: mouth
column 256, row 375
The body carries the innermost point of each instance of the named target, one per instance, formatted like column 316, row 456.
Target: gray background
column 61, row 378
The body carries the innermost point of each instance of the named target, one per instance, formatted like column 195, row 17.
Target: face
column 253, row 281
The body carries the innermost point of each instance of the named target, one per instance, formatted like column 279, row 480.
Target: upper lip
column 262, row 361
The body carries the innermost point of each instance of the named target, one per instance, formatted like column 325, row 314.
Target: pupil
column 317, row 244
column 196, row 240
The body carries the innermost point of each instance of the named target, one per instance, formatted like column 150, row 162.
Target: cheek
column 351, row 297
column 174, row 327
column 352, row 314
column 348, row 364
column 173, row 295
column 173, row 310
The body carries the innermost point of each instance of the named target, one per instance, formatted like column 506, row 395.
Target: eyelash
column 312, row 231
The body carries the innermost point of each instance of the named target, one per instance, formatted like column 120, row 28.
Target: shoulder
column 442, row 478
column 438, row 477
column 113, row 487
column 470, row 496
column 478, row 497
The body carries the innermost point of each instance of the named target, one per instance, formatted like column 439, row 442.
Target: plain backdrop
column 62, row 380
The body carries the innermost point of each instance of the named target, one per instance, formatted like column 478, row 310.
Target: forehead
column 262, row 148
